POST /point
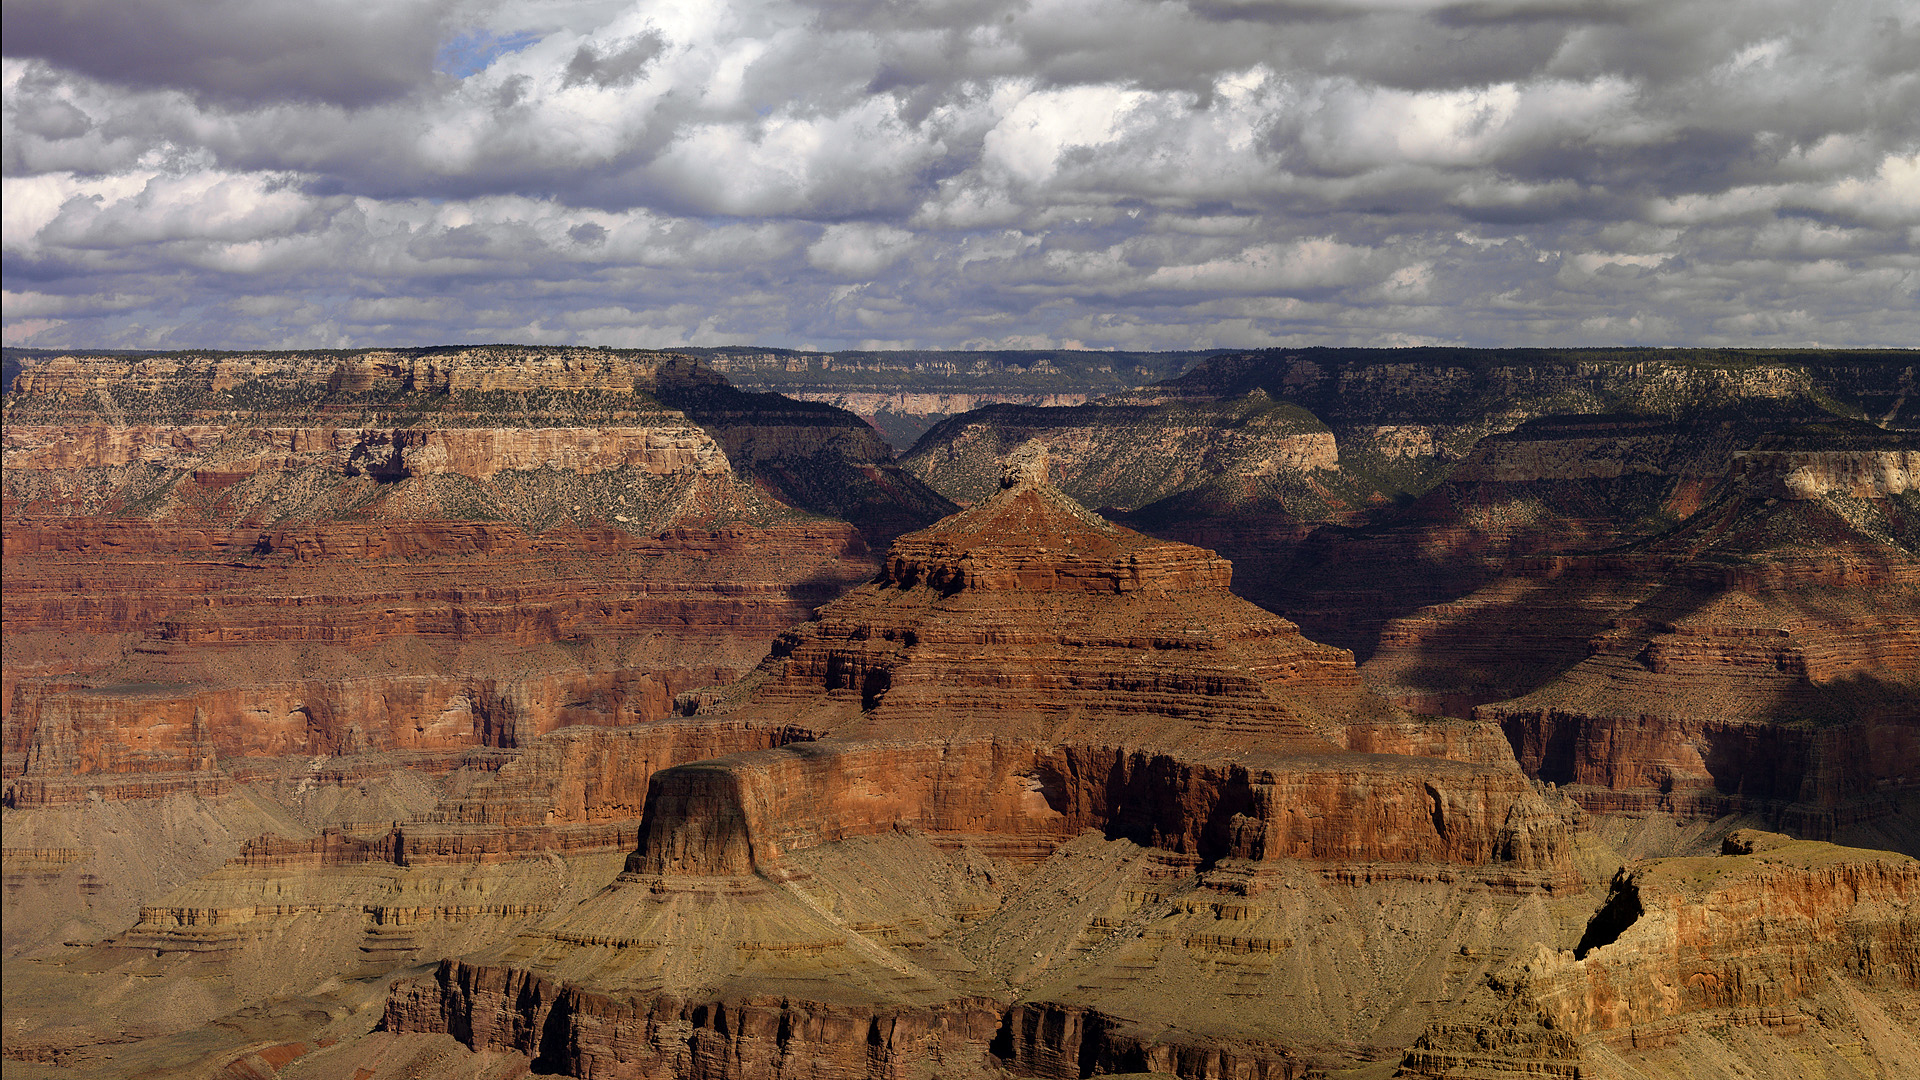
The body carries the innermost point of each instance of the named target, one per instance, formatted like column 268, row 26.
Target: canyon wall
column 574, row 679
column 739, row 816
column 1790, row 938
column 222, row 559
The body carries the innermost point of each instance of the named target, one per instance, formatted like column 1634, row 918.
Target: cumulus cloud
column 967, row 173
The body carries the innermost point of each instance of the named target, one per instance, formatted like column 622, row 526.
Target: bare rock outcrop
column 1779, row 935
column 1021, row 677
column 221, row 560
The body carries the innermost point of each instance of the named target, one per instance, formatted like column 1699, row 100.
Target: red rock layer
column 1742, row 937
column 1765, row 936
column 1066, row 1042
column 1763, row 656
column 1813, row 781
column 253, row 532
column 1025, row 668
column 618, row 1037
column 736, row 816
column 148, row 722
column 1020, row 674
column 592, row 775
column 358, row 583
column 1029, row 616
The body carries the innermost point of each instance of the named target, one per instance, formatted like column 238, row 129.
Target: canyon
column 486, row 711
column 904, row 393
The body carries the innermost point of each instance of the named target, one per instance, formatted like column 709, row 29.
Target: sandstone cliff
column 1792, row 939
column 1761, row 656
column 1454, row 462
column 1128, row 456
column 1041, row 796
column 218, row 559
column 1026, row 689
column 903, row 393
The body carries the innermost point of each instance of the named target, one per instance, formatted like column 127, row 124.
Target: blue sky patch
column 472, row 51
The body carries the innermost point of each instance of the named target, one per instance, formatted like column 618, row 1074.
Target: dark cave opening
column 1620, row 911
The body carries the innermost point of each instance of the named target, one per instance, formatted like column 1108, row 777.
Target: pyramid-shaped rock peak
column 1031, row 537
column 1029, row 616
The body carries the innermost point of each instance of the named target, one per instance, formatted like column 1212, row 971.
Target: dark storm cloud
column 238, row 52
column 618, row 66
column 976, row 173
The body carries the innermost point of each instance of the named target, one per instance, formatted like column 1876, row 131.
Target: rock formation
column 413, row 712
column 1451, row 464
column 903, row 393
column 1021, row 677
column 1128, row 456
column 1805, row 941
column 1679, row 583
column 214, row 563
column 1761, row 656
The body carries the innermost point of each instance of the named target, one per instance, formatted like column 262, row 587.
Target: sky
column 1133, row 174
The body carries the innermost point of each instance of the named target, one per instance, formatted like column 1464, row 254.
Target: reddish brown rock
column 735, row 816
column 1761, row 657
column 584, row 1033
column 1065, row 1042
column 415, row 551
column 1028, row 616
column 1760, row 936
column 1021, row 676
column 212, row 611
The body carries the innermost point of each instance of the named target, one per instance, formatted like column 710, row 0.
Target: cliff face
column 1761, row 656
column 68, row 742
column 389, row 454
column 1128, row 456
column 208, row 666
column 1651, row 571
column 583, row 1033
column 739, row 817
column 1041, row 794
column 904, row 393
column 1029, row 616
column 1791, row 938
column 534, row 437
column 212, row 561
column 1023, row 681
column 1455, row 463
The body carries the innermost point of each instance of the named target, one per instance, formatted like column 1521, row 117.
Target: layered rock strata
column 1021, row 676
column 1451, row 464
column 216, row 561
column 1792, row 938
column 1127, row 456
column 1761, row 656
column 204, row 664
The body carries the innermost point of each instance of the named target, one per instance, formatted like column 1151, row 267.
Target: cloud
column 1126, row 173
column 858, row 250
column 618, row 66
column 236, row 51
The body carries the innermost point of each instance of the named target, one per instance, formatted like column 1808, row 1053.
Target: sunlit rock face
column 1033, row 793
column 1680, row 584
column 215, row 563
column 1025, row 690
column 1802, row 944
